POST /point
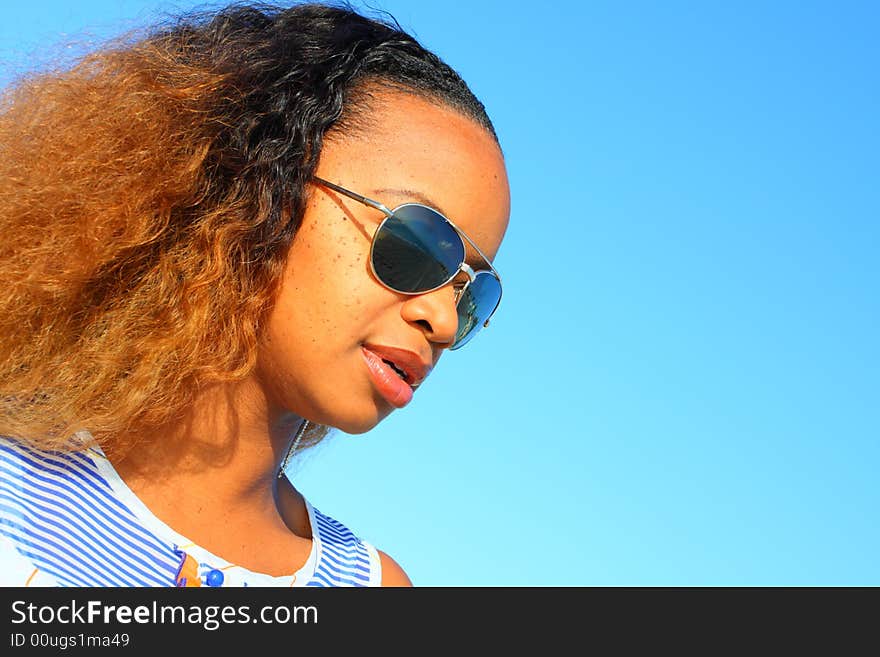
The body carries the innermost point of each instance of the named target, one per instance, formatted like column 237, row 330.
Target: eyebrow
column 411, row 193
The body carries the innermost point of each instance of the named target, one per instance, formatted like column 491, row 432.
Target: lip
column 386, row 381
column 416, row 369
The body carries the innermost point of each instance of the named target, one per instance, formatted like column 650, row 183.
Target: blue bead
column 214, row 578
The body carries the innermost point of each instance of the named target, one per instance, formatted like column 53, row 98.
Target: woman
column 217, row 242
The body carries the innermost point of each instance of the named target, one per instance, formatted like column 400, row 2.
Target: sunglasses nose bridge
column 472, row 276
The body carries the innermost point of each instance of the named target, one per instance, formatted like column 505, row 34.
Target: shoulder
column 392, row 573
column 346, row 558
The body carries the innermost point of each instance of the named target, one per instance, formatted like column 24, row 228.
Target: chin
column 363, row 426
column 349, row 411
column 358, row 423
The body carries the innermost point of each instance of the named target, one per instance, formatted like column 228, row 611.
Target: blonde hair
column 148, row 199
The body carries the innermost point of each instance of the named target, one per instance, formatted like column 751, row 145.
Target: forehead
column 411, row 150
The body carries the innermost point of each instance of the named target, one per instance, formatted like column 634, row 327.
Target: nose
column 435, row 312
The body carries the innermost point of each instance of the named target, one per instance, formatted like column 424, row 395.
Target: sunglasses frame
column 462, row 267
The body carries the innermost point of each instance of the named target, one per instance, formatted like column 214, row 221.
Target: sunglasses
column 417, row 250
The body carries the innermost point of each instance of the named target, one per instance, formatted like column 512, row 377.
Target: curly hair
column 148, row 197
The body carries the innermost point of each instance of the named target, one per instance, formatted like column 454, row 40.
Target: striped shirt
column 68, row 519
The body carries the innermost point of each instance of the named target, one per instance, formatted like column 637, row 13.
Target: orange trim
column 28, row 582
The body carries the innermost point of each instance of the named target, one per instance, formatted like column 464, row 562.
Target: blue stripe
column 327, row 520
column 122, row 523
column 65, row 517
column 346, row 556
column 347, row 565
column 345, row 570
column 105, row 493
column 351, row 566
column 63, row 461
column 315, row 582
column 83, row 554
column 321, row 579
column 99, row 557
column 344, row 560
column 344, row 551
column 73, row 509
column 49, row 476
column 52, row 554
column 340, row 580
column 49, row 568
column 80, row 521
column 329, row 530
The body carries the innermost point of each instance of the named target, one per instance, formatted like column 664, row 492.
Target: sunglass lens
column 476, row 305
column 416, row 250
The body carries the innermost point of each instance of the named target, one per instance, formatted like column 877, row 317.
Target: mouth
column 406, row 364
column 395, row 373
column 403, row 375
column 387, row 380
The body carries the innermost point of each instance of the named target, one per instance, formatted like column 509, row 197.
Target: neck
column 219, row 463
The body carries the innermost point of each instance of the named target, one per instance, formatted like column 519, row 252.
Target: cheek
column 327, row 286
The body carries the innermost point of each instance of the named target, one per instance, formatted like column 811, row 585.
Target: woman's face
column 333, row 322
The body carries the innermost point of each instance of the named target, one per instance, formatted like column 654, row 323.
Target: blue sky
column 682, row 386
